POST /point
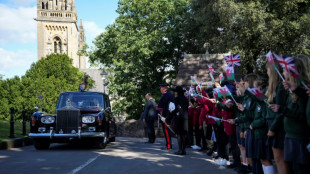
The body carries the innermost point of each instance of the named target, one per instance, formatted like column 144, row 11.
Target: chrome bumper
column 52, row 135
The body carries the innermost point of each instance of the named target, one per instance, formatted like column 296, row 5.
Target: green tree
column 49, row 77
column 251, row 27
column 141, row 49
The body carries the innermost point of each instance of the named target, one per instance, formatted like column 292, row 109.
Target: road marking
column 83, row 166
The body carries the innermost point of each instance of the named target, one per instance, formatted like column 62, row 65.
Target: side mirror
column 108, row 109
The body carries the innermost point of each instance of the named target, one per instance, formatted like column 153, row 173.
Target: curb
column 14, row 143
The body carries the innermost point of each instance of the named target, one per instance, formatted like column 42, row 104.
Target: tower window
column 57, row 45
column 42, row 5
column 46, row 5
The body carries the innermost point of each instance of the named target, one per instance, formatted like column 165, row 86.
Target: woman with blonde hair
column 296, row 125
column 277, row 96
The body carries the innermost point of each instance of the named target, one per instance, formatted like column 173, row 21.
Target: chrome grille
column 68, row 119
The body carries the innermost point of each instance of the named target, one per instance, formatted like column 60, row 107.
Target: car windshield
column 80, row 100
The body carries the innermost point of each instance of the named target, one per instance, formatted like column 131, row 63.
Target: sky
column 18, row 30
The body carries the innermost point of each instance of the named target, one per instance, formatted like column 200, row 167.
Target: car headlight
column 88, row 119
column 47, row 119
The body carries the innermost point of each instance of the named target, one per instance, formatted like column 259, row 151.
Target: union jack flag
column 233, row 60
column 211, row 69
column 287, row 63
column 269, row 57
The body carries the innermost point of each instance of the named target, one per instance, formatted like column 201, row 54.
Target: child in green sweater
column 296, row 120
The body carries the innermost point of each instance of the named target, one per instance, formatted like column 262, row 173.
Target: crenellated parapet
column 63, row 10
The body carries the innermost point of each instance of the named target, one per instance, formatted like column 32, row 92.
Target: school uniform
column 260, row 129
column 247, row 118
column 230, row 130
column 239, row 127
column 297, row 132
column 275, row 119
column 196, row 114
column 190, row 126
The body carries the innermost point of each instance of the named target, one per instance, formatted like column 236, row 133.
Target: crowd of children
column 264, row 136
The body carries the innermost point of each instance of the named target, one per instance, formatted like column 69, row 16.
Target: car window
column 80, row 100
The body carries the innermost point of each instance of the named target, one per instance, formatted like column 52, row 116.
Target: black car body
column 80, row 116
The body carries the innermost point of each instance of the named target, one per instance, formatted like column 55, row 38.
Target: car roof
column 86, row 92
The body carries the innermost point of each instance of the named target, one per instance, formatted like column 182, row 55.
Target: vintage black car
column 80, row 117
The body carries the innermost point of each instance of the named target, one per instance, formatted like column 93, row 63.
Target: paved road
column 126, row 155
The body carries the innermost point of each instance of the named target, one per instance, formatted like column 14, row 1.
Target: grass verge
column 18, row 129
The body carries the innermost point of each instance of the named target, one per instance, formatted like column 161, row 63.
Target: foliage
column 251, row 27
column 48, row 77
column 141, row 49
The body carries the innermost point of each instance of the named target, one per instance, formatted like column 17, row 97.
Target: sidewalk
column 17, row 142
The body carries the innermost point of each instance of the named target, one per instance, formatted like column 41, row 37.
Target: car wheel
column 101, row 143
column 40, row 144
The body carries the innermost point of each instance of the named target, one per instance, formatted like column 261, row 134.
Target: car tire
column 101, row 143
column 41, row 144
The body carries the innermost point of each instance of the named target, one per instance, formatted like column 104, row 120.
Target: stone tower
column 58, row 31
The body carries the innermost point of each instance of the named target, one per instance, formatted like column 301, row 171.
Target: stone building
column 58, row 30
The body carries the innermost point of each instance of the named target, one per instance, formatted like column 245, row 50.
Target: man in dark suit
column 163, row 110
column 149, row 116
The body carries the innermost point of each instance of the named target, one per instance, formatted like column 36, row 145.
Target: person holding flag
column 262, row 153
column 230, row 129
column 247, row 109
column 277, row 97
column 296, row 123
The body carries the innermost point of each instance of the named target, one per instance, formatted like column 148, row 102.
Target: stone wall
column 135, row 128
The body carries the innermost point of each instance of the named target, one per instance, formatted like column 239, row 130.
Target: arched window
column 57, row 45
column 42, row 5
column 46, row 6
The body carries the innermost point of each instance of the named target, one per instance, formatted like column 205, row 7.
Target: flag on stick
column 230, row 73
column 215, row 93
column 212, row 78
column 221, row 77
column 233, row 60
column 270, row 58
column 211, row 69
column 194, row 80
column 209, row 85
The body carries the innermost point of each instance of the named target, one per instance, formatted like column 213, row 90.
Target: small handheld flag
column 193, row 79
column 211, row 69
column 233, row 60
column 221, row 77
column 270, row 58
column 209, row 85
column 230, row 73
column 258, row 93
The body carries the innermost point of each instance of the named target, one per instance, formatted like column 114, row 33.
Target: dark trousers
column 234, row 149
column 181, row 141
column 190, row 137
column 167, row 134
column 200, row 138
column 150, row 130
column 222, row 141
